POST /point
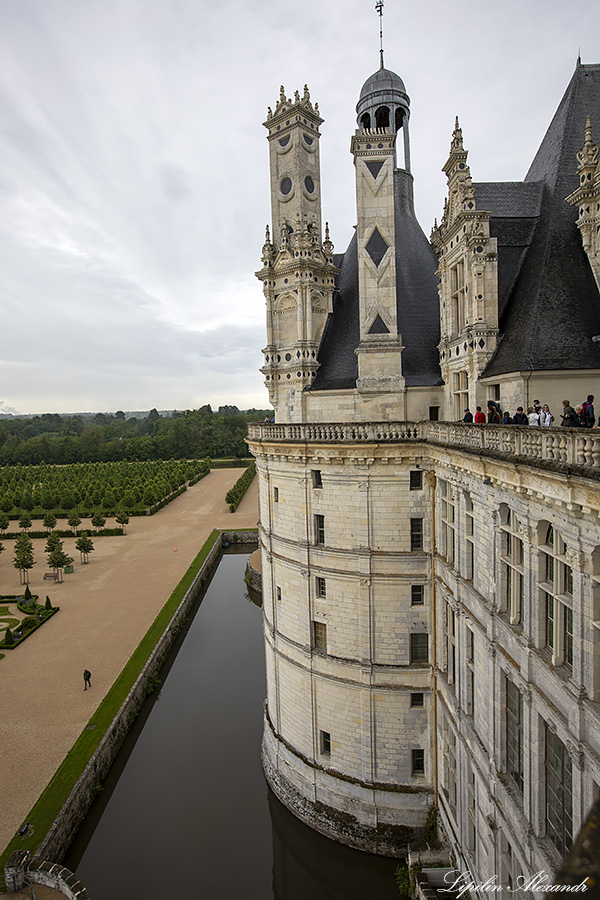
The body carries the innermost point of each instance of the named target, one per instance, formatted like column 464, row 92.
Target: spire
column 379, row 8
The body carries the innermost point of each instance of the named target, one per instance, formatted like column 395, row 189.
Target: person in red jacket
column 479, row 416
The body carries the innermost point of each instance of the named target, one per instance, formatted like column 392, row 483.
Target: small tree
column 8, row 638
column 85, row 546
column 74, row 522
column 53, row 542
column 25, row 521
column 23, row 556
column 48, row 603
column 49, row 521
column 4, row 521
column 122, row 520
column 57, row 560
column 27, row 593
column 98, row 521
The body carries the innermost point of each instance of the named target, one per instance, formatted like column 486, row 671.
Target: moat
column 185, row 810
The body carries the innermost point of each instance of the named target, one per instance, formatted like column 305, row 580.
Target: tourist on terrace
column 519, row 417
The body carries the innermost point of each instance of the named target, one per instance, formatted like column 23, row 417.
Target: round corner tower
column 344, row 525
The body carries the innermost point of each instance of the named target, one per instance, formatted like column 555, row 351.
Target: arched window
column 366, row 122
column 382, row 117
column 399, row 119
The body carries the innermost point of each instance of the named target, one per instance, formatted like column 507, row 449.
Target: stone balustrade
column 558, row 446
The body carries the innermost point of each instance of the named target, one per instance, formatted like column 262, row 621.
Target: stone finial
column 588, row 155
column 282, row 94
column 306, row 93
column 457, row 137
column 268, row 250
column 269, row 112
column 327, row 243
column 296, row 96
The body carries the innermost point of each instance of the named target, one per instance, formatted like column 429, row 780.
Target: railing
column 562, row 446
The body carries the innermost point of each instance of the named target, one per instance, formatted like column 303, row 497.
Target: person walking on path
column 87, row 679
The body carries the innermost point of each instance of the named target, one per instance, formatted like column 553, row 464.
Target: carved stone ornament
column 575, row 558
column 576, row 755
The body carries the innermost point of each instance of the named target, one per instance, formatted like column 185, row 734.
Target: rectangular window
column 514, row 734
column 471, row 799
column 416, row 534
column 276, row 495
column 416, row 480
column 417, row 699
column 458, row 297
column 417, row 594
column 450, row 629
column 470, row 539
column 325, row 743
column 434, row 413
column 449, row 765
column 419, row 648
column 568, row 636
column 470, row 679
column 319, row 635
column 321, row 587
column 559, row 793
column 549, row 621
column 319, row 529
column 317, row 481
column 418, row 762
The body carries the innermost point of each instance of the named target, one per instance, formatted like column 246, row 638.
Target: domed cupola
column 384, row 104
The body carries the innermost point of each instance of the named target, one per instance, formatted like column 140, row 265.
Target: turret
column 298, row 274
column 587, row 198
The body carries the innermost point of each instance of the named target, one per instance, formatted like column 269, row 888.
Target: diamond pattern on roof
column 377, row 246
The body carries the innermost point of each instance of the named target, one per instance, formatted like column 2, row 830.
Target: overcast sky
column 134, row 168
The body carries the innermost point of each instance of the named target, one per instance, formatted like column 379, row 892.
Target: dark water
column 185, row 811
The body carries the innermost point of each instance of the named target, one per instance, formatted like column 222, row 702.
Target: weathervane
column 379, row 8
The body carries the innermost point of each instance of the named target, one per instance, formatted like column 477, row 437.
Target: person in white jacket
column 546, row 417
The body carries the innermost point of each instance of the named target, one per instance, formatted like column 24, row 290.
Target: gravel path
column 106, row 607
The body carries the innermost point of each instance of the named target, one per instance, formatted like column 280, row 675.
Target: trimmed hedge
column 235, row 494
column 35, row 616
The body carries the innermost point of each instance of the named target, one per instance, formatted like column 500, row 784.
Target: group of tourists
column 539, row 414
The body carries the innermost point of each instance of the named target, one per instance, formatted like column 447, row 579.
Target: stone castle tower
column 431, row 589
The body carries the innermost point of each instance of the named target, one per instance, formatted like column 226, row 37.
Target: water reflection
column 185, row 810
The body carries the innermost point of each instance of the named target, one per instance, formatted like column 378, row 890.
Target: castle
column 431, row 588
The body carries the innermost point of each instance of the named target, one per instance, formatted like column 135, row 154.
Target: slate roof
column 417, row 305
column 549, row 303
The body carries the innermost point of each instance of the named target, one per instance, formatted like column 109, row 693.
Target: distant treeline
column 62, row 439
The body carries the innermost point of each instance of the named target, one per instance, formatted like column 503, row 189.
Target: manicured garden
column 104, row 487
column 20, row 616
column 52, row 799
